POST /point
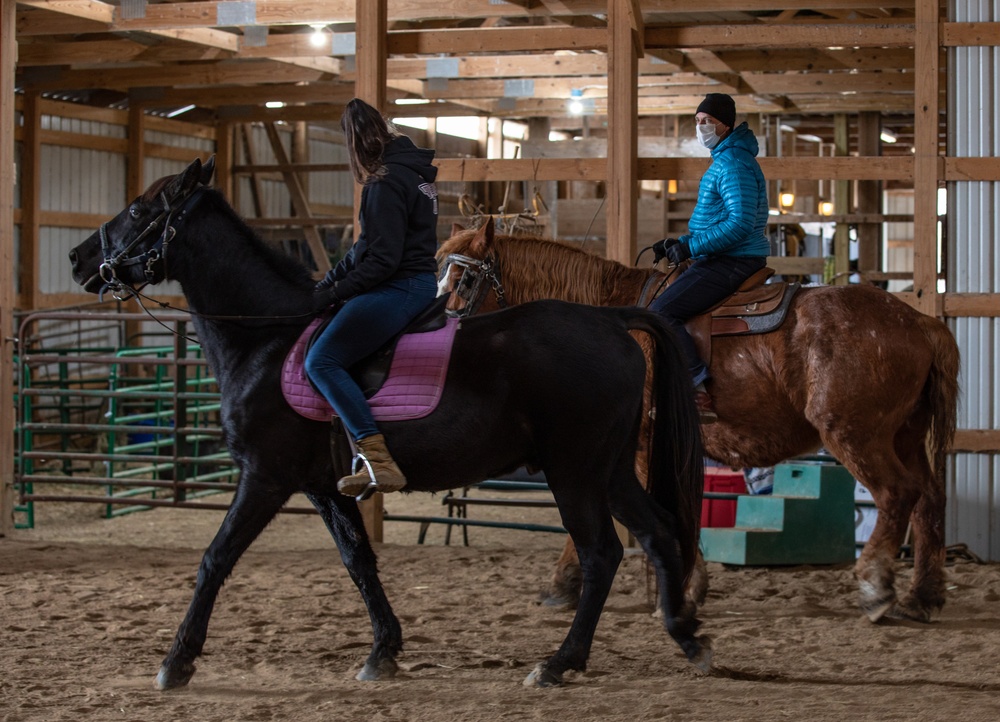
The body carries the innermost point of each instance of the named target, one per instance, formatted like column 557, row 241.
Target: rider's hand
column 678, row 253
column 660, row 248
column 325, row 296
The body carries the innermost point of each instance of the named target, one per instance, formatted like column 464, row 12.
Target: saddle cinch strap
column 756, row 307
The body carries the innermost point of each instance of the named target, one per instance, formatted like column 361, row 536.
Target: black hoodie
column 398, row 224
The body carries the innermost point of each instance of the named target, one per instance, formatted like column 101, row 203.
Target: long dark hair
column 366, row 134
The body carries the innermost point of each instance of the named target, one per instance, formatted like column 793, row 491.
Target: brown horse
column 852, row 369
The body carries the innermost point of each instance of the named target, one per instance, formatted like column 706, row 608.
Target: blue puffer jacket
column 731, row 212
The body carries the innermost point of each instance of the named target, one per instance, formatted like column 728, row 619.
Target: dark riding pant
column 360, row 328
column 705, row 283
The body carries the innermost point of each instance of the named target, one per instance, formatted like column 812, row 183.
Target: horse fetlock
column 173, row 675
column 875, row 601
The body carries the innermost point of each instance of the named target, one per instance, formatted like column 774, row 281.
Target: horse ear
column 456, row 228
column 484, row 239
column 186, row 181
column 207, row 171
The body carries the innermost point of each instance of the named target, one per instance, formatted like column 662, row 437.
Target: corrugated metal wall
column 974, row 267
column 75, row 180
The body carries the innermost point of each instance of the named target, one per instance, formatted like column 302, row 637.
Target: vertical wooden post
column 624, row 27
column 8, row 58
column 31, row 187
column 135, row 182
column 371, row 28
column 224, row 157
column 927, row 164
column 869, row 193
column 841, row 203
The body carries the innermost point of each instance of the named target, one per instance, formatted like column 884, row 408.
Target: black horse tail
column 676, row 478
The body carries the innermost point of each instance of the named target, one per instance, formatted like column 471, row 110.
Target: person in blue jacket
column 725, row 235
column 383, row 282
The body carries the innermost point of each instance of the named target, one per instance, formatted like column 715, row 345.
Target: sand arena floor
column 88, row 608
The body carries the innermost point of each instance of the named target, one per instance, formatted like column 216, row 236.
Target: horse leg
column 254, row 506
column 926, row 593
column 343, row 519
column 654, row 529
column 895, row 491
column 592, row 531
column 564, row 589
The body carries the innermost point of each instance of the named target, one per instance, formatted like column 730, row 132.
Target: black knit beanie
column 721, row 107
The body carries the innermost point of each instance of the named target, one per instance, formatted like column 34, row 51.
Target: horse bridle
column 154, row 256
column 472, row 286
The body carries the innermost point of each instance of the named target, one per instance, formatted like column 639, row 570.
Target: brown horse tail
column 941, row 391
column 677, row 464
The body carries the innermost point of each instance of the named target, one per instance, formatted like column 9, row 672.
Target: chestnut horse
column 852, row 369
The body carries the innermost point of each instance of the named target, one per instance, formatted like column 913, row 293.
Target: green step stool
column 808, row 519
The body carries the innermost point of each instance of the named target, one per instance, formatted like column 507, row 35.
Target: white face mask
column 707, row 136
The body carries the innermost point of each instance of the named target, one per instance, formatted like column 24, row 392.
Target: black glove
column 325, row 296
column 326, row 282
column 660, row 248
column 678, row 253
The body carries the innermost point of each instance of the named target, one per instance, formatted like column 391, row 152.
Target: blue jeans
column 361, row 327
column 705, row 283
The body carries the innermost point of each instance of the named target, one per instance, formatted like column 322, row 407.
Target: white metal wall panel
column 330, row 187
column 974, row 267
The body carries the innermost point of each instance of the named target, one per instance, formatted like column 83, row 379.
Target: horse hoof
column 909, row 610
column 172, row 678
column 385, row 669
column 564, row 600
column 875, row 604
column 542, row 676
column 702, row 657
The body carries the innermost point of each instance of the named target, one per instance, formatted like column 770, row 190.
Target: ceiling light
column 179, row 111
column 887, row 136
column 825, row 208
column 576, row 102
column 274, row 104
column 318, row 37
column 786, row 199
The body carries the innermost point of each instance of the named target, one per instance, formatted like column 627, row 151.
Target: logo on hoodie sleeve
column 430, row 190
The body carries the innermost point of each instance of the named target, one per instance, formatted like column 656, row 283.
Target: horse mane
column 548, row 268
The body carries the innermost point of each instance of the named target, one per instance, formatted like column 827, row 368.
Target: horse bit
column 470, row 286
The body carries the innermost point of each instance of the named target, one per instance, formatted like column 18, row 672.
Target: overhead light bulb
column 786, row 199
column 826, row 208
column 576, row 102
column 887, row 136
column 318, row 37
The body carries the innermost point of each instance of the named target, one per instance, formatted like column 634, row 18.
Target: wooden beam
column 371, row 26
column 31, row 193
column 496, row 40
column 8, row 273
column 622, row 185
column 925, row 146
column 299, row 201
column 817, row 35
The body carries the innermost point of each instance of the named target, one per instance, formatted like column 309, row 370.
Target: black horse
column 550, row 385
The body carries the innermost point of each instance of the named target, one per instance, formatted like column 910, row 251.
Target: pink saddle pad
column 412, row 389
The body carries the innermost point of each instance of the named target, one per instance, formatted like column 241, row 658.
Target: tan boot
column 384, row 470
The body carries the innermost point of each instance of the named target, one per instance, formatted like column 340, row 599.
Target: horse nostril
column 72, row 256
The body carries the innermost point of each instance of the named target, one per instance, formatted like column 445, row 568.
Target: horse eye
column 133, row 211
